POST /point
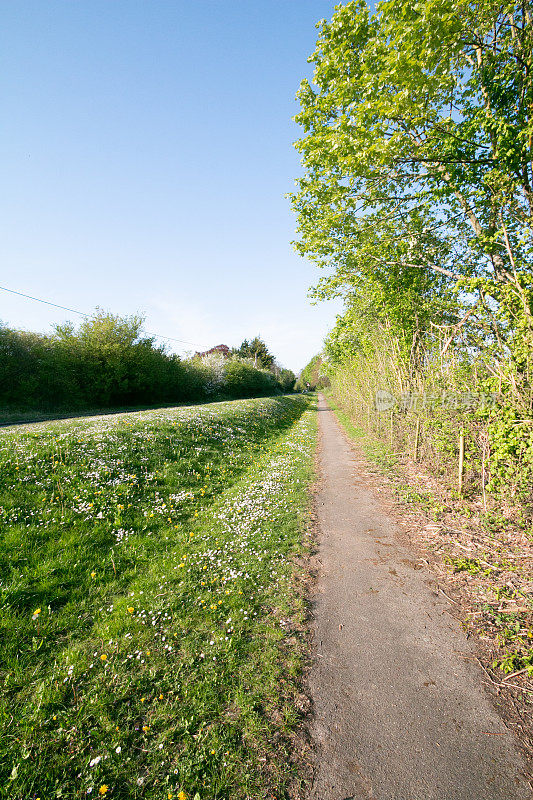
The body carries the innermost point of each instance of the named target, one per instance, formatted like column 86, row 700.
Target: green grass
column 470, row 565
column 150, row 642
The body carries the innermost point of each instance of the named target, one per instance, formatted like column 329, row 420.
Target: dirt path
column 400, row 711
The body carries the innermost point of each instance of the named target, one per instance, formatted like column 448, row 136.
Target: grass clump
column 146, row 602
column 470, row 565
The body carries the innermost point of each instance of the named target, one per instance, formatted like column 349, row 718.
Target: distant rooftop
column 219, row 348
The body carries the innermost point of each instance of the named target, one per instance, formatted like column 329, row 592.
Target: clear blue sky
column 145, row 155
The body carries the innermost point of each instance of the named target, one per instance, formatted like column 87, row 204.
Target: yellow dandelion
column 103, row 789
column 182, row 796
column 93, row 574
column 103, row 657
column 130, row 609
column 36, row 613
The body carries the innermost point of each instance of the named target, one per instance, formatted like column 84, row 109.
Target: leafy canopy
column 257, row 351
column 417, row 151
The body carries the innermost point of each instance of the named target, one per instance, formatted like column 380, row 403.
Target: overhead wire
column 88, row 316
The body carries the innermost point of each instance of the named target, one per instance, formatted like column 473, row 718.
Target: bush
column 108, row 363
column 241, row 379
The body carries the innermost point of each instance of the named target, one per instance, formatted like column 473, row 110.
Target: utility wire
column 87, row 316
column 48, row 303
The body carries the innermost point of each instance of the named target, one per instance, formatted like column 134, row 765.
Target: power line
column 47, row 302
column 88, row 316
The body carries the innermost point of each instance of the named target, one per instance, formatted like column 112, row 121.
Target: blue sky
column 145, row 155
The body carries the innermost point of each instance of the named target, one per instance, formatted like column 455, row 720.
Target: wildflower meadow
column 150, row 619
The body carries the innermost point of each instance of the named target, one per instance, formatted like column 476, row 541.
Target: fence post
column 417, row 438
column 484, row 473
column 461, row 459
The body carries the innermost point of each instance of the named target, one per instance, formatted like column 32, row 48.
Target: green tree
column 257, row 351
column 313, row 375
column 108, row 362
column 286, row 379
column 116, row 363
column 418, row 156
column 417, row 199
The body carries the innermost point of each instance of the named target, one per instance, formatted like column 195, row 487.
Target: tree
column 115, row 362
column 418, row 156
column 258, row 352
column 286, row 379
column 312, row 375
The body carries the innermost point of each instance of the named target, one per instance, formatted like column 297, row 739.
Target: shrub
column 107, row 363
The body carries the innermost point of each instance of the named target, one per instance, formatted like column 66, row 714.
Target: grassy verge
column 148, row 611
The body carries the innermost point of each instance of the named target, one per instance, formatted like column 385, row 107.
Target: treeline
column 313, row 376
column 417, row 201
column 107, row 362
